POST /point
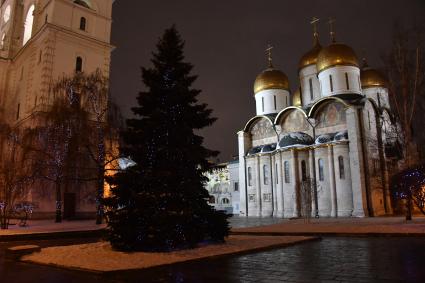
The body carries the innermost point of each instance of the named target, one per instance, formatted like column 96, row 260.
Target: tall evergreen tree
column 160, row 204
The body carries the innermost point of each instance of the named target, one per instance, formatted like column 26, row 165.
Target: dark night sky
column 225, row 41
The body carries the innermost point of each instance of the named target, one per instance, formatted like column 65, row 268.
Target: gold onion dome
column 310, row 58
column 296, row 98
column 370, row 77
column 271, row 79
column 336, row 54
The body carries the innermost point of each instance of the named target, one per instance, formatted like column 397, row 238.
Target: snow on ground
column 49, row 226
column 100, row 256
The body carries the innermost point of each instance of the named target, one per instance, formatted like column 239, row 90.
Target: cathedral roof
column 271, row 79
column 295, row 139
column 336, row 54
column 370, row 77
column 310, row 58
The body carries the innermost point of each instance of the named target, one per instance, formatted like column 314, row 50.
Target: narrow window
column 303, row 170
column 379, row 98
column 321, row 173
column 331, row 83
column 368, row 119
column 310, row 81
column 79, row 64
column 249, row 176
column 277, row 175
column 274, row 98
column 17, row 112
column 83, row 23
column 286, row 169
column 46, row 18
column 346, row 81
column 236, row 187
column 286, row 101
column 262, row 103
column 28, row 25
column 266, row 174
column 341, row 167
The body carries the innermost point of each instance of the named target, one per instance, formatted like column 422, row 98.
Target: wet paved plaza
column 329, row 260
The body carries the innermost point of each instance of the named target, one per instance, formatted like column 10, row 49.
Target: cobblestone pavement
column 330, row 260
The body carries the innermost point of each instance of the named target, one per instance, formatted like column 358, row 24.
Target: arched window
column 83, row 23
column 266, row 174
column 341, row 167
column 321, row 172
column 29, row 21
column 79, row 64
column 225, row 201
column 347, row 81
column 331, row 83
column 303, row 170
column 286, row 169
column 310, row 81
column 249, row 176
column 274, row 97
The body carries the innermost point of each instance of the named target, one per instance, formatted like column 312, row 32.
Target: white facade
column 310, row 86
column 271, row 101
column 340, row 80
column 328, row 155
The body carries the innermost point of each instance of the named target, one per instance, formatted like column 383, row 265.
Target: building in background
column 223, row 187
column 40, row 42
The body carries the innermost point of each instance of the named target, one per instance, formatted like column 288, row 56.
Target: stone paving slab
column 99, row 257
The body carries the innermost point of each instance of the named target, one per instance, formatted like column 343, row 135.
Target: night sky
column 226, row 42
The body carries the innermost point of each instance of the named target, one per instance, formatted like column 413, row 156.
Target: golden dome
column 271, row 79
column 336, row 54
column 296, row 98
column 310, row 58
column 372, row 78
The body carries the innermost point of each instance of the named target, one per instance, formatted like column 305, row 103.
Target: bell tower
column 43, row 40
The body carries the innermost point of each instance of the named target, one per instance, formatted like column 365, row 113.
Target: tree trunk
column 58, row 202
column 409, row 209
column 99, row 199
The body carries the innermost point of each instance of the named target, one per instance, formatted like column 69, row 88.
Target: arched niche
column 262, row 130
column 330, row 117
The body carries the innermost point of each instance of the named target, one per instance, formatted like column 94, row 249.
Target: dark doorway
column 69, row 205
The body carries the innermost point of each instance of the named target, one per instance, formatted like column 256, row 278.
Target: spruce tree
column 160, row 204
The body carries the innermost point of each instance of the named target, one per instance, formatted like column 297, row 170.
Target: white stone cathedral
column 332, row 135
column 40, row 42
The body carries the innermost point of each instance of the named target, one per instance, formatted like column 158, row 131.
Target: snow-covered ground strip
column 101, row 258
column 48, row 226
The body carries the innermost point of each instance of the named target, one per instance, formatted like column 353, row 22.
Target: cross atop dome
column 314, row 22
column 269, row 56
column 331, row 29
